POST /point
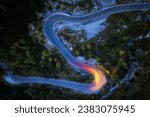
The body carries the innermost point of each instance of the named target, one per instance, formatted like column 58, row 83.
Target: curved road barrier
column 49, row 30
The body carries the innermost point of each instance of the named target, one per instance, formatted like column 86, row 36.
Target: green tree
column 77, row 52
column 89, row 46
column 58, row 65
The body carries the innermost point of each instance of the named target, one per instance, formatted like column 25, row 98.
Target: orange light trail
column 99, row 78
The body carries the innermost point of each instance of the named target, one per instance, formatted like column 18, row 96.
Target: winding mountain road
column 50, row 33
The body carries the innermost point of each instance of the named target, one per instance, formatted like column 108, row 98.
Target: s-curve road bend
column 49, row 30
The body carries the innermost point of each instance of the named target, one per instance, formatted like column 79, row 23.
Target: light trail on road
column 49, row 30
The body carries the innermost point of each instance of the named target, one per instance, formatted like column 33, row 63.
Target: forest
column 124, row 41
